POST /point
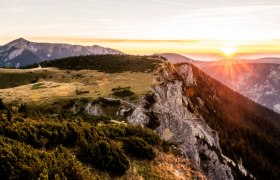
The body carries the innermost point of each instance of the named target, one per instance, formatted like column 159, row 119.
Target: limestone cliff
column 179, row 122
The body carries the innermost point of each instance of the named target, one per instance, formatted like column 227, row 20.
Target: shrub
column 19, row 161
column 38, row 86
column 146, row 134
column 121, row 131
column 139, row 148
column 9, row 115
column 79, row 92
column 154, row 121
column 106, row 155
column 95, row 145
column 43, row 134
column 2, row 106
column 22, row 108
column 150, row 98
column 122, row 92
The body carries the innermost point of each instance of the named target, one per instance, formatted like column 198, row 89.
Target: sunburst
column 228, row 51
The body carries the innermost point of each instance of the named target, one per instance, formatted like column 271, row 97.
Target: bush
column 9, row 115
column 121, row 131
column 19, row 161
column 106, row 155
column 122, row 92
column 139, row 148
column 38, row 86
column 22, row 108
column 154, row 121
column 2, row 106
column 42, row 134
column 99, row 146
column 79, row 92
column 146, row 134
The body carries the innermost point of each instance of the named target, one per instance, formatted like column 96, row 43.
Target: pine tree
column 2, row 106
column 9, row 115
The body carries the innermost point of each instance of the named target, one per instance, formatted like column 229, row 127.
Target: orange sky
column 187, row 27
column 196, row 49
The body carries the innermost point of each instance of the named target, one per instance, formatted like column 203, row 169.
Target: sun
column 228, row 51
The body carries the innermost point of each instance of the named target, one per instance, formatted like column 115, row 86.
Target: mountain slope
column 176, row 58
column 222, row 133
column 258, row 81
column 267, row 60
column 21, row 52
column 248, row 132
column 85, row 137
column 188, row 100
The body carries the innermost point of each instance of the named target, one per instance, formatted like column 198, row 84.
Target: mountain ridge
column 176, row 58
column 21, row 52
column 256, row 79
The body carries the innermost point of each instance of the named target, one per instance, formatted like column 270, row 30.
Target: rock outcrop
column 179, row 122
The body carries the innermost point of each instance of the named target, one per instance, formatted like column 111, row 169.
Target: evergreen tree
column 22, row 108
column 2, row 106
column 9, row 115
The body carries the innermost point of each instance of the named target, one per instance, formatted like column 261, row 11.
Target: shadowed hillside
column 105, row 63
column 248, row 132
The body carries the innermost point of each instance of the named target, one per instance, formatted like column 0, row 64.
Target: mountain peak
column 176, row 58
column 20, row 40
column 16, row 41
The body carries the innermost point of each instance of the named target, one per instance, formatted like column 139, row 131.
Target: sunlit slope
column 258, row 81
column 46, row 85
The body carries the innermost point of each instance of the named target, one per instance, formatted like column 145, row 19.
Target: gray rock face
column 196, row 139
column 94, row 110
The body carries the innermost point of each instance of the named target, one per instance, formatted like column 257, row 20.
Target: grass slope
column 79, row 77
column 54, row 85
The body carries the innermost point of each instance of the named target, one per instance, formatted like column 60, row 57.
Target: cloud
column 96, row 40
column 11, row 7
column 139, row 40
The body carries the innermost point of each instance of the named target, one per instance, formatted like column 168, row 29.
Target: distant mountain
column 265, row 60
column 21, row 52
column 258, row 81
column 176, row 58
column 273, row 60
column 204, row 64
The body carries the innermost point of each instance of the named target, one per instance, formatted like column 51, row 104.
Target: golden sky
column 205, row 27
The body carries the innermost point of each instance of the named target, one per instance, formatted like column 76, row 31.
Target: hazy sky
column 137, row 26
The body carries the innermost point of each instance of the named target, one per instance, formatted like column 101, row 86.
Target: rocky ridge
column 197, row 141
